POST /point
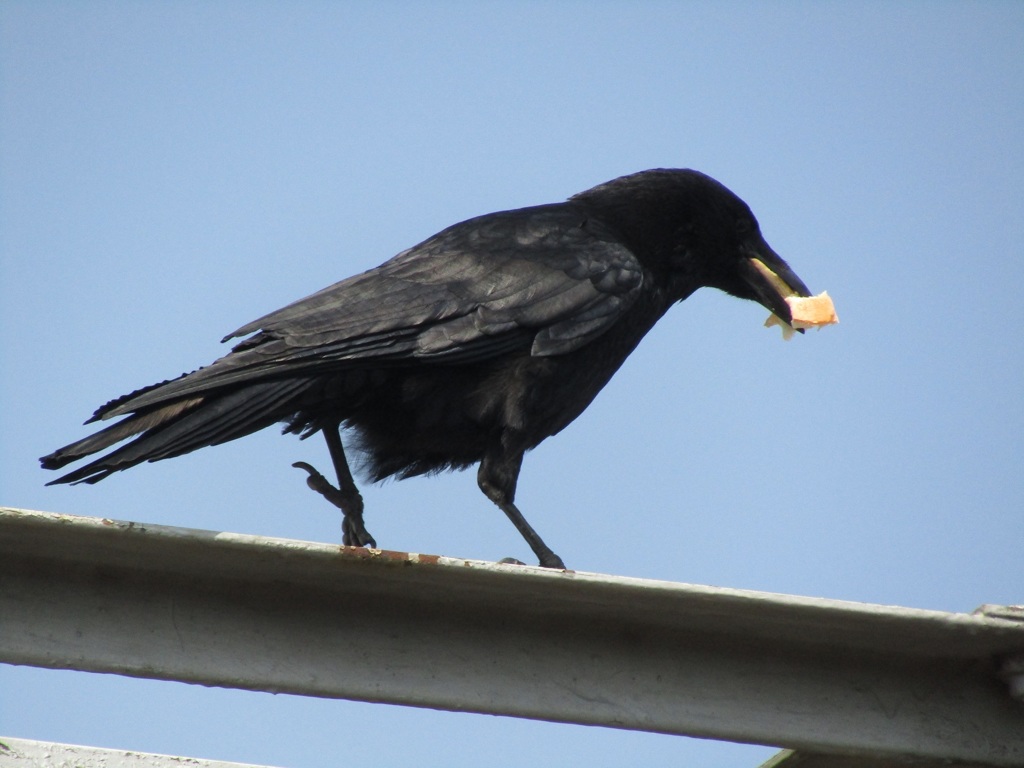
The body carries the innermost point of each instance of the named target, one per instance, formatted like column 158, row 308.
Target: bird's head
column 692, row 232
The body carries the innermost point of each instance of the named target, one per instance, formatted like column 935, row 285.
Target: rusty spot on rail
column 389, row 556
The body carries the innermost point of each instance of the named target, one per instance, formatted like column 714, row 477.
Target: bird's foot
column 554, row 561
column 349, row 501
column 354, row 533
column 551, row 560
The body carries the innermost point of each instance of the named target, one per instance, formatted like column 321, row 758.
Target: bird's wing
column 546, row 271
column 543, row 278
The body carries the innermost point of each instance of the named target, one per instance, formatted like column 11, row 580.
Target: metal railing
column 820, row 676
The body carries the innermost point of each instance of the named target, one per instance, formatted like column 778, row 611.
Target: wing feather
column 544, row 279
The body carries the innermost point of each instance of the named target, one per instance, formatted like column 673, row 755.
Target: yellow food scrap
column 808, row 312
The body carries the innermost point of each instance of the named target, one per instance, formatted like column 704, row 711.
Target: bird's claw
column 552, row 560
column 354, row 533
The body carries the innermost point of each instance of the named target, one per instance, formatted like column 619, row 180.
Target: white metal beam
column 28, row 753
column 240, row 611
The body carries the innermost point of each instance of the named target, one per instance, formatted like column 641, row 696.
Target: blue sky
column 170, row 171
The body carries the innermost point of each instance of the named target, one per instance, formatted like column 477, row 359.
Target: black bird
column 473, row 346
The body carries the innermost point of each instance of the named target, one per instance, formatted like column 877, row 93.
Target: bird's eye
column 744, row 226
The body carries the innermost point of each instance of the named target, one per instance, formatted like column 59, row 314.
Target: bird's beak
column 771, row 280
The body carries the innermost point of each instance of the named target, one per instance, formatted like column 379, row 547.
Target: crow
column 470, row 348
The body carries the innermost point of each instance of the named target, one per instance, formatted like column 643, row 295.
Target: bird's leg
column 497, row 479
column 346, row 496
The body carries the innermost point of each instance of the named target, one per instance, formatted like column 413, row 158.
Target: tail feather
column 179, row 428
column 133, row 425
column 227, row 418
